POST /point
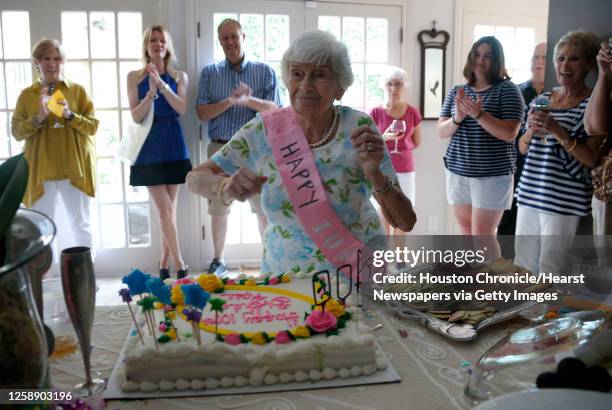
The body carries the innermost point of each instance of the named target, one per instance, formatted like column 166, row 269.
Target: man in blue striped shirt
column 230, row 93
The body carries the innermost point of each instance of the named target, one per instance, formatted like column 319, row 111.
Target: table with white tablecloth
column 434, row 370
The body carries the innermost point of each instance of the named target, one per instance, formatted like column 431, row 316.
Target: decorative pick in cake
column 162, row 292
column 136, row 281
column 358, row 285
column 194, row 316
column 147, row 303
column 321, row 292
column 196, row 297
column 127, row 298
column 216, row 305
column 342, row 298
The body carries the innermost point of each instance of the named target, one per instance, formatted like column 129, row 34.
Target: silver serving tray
column 461, row 332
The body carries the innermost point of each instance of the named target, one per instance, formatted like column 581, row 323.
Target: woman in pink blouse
column 397, row 108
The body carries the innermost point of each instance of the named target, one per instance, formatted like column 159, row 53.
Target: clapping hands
column 467, row 106
column 155, row 81
column 604, row 59
column 241, row 94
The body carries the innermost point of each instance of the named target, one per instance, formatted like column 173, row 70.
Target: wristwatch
column 71, row 116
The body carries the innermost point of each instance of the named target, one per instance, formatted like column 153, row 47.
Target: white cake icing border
column 259, row 375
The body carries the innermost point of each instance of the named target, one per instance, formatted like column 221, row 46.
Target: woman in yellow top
column 60, row 150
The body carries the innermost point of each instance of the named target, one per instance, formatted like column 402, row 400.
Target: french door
column 102, row 41
column 372, row 34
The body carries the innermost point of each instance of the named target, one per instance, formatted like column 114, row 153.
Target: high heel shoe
column 164, row 273
column 182, row 273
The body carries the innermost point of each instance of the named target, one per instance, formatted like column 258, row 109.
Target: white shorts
column 493, row 193
column 407, row 182
column 550, row 236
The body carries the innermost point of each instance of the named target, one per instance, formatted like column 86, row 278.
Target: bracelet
column 164, row 88
column 570, row 149
column 154, row 97
column 479, row 115
column 219, row 192
column 386, row 188
column 455, row 122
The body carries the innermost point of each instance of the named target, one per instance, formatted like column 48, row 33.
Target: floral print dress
column 287, row 248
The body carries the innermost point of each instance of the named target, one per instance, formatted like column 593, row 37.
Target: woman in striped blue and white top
column 554, row 190
column 482, row 118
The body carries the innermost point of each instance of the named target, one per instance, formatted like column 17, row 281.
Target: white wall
column 431, row 186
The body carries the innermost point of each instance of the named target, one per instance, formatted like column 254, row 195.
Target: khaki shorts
column 216, row 207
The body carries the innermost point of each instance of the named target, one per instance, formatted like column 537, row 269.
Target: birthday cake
column 207, row 332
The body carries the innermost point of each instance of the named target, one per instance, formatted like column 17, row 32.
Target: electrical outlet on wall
column 432, row 224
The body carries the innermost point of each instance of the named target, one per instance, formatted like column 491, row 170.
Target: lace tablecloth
column 434, row 370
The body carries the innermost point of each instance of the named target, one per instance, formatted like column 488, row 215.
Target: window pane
column 374, row 89
column 481, row 31
column 126, row 119
column 377, row 40
column 112, row 233
column 519, row 75
column 16, row 34
column 331, row 24
column 130, row 33
column 16, row 146
column 139, row 227
column 134, row 193
column 218, row 18
column 526, row 38
column 354, row 95
column 107, row 137
column 1, row 52
column 505, row 35
column 242, row 229
column 104, row 81
column 277, row 36
column 124, row 69
column 4, row 136
column 102, row 34
column 252, row 24
column 282, row 90
column 78, row 72
column 2, row 89
column 18, row 77
column 354, row 37
column 74, row 34
column 109, row 181
column 250, row 231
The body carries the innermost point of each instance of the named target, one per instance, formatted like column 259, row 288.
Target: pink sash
column 296, row 165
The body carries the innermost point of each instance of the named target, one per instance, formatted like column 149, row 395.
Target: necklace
column 331, row 131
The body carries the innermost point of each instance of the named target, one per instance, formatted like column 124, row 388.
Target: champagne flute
column 541, row 103
column 79, row 284
column 398, row 127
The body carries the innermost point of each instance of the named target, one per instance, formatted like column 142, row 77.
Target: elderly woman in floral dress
column 315, row 164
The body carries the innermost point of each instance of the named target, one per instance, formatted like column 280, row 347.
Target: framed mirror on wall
column 433, row 66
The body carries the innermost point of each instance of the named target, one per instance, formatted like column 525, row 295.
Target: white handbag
column 130, row 144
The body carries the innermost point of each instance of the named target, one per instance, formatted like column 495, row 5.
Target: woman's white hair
column 319, row 47
column 398, row 74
